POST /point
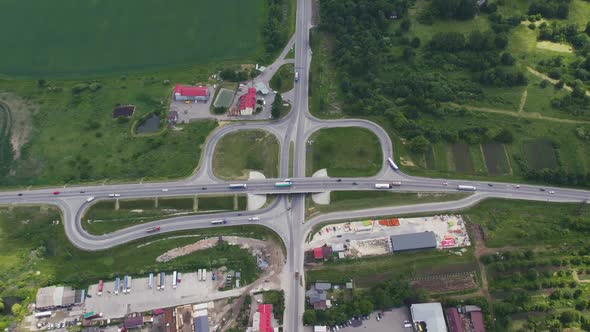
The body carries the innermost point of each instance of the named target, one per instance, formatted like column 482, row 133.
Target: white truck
column 383, row 185
column 296, row 76
column 466, row 188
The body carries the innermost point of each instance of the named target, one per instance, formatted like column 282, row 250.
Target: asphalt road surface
column 285, row 217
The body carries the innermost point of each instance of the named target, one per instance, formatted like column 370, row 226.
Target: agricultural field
column 354, row 200
column 540, row 154
column 36, row 253
column 5, row 146
column 239, row 152
column 344, row 152
column 495, row 158
column 284, row 79
column 117, row 37
column 104, row 217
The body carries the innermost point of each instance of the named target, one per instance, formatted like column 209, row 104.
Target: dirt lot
column 21, row 112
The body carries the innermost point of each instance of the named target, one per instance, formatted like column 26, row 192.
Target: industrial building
column 261, row 87
column 413, row 241
column 55, row 297
column 194, row 93
column 429, row 316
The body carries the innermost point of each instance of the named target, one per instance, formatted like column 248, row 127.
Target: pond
column 149, row 125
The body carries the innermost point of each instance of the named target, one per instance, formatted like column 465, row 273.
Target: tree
column 507, row 59
column 275, row 110
column 587, row 30
column 405, row 25
column 309, row 317
column 419, row 144
column 16, row 309
column 408, row 53
column 1, row 304
column 415, row 43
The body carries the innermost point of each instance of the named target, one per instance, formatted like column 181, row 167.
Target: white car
column 114, row 195
column 551, row 192
column 253, row 219
column 165, row 190
column 287, row 180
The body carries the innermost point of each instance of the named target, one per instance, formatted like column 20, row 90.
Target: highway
column 284, row 216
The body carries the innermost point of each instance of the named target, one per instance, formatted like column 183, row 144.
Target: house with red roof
column 195, row 93
column 248, row 102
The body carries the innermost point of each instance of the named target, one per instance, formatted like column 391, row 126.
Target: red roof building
column 477, row 321
column 248, row 102
column 265, row 311
column 184, row 92
column 454, row 320
column 318, row 253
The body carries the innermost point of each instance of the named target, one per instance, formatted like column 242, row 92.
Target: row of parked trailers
column 125, row 285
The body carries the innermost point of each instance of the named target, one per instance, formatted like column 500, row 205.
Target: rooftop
column 431, row 314
column 191, row 91
column 413, row 241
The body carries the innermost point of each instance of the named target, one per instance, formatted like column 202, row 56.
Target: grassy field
column 284, row 78
column 240, row 152
column 344, row 152
column 102, row 217
column 111, row 36
column 5, row 147
column 371, row 270
column 354, row 200
column 69, row 135
column 34, row 253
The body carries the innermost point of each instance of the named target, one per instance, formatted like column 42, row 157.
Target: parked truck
column 158, row 282
column 174, row 279
column 117, row 285
column 125, row 281
column 162, row 280
column 467, row 188
column 129, row 284
column 392, row 164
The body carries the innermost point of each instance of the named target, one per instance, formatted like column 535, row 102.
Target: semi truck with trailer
column 283, row 184
column 117, row 285
column 153, row 229
column 174, row 280
column 396, row 183
column 383, row 185
column 238, row 186
column 125, row 281
column 219, row 222
column 158, row 282
column 466, row 188
column 162, row 280
column 392, row 164
column 129, row 278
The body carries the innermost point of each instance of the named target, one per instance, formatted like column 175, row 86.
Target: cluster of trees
column 232, row 75
column 276, row 30
column 561, row 33
column 577, row 102
column 550, row 8
column 385, row 295
column 277, row 104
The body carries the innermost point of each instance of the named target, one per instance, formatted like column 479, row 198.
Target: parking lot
column 141, row 298
column 392, row 321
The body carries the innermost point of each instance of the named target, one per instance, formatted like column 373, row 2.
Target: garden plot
column 495, row 158
column 461, row 158
column 540, row 154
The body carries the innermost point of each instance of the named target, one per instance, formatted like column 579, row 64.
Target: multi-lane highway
column 285, row 217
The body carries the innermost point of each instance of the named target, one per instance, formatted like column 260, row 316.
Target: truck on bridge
column 283, row 184
column 466, row 188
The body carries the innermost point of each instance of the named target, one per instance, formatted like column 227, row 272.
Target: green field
column 239, row 152
column 346, row 151
column 102, row 217
column 354, row 200
column 75, row 38
column 35, row 253
column 5, row 146
column 284, row 79
column 224, row 98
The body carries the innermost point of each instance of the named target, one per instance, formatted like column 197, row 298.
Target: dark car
column 20, row 194
column 541, row 189
column 339, row 180
column 204, row 188
column 354, row 183
column 490, row 185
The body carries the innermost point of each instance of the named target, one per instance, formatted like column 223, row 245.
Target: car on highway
column 551, row 192
column 490, row 185
column 354, row 183
column 56, row 192
column 165, row 190
column 517, row 186
column 253, row 219
column 114, row 195
column 153, row 229
column 541, row 189
column 20, row 194
column 339, row 180
column 204, row 188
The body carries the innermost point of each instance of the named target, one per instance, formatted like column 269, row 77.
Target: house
column 133, row 322
column 196, row 93
column 201, row 324
column 261, row 87
column 413, row 241
column 429, row 316
column 323, row 286
column 454, row 320
column 248, row 102
column 477, row 321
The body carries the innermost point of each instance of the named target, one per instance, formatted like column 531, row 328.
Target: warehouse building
column 55, row 297
column 428, row 317
column 195, row 93
column 413, row 241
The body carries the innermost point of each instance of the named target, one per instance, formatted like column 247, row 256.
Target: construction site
column 383, row 236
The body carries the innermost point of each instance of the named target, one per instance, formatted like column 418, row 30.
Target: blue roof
column 201, row 324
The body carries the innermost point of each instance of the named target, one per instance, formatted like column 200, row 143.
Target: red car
column 56, row 192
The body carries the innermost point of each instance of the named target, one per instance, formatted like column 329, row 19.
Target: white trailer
column 129, row 284
column 151, row 281
column 396, row 183
column 466, row 188
column 392, row 164
column 42, row 314
column 199, row 271
column 204, row 275
column 382, row 185
column 174, row 280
